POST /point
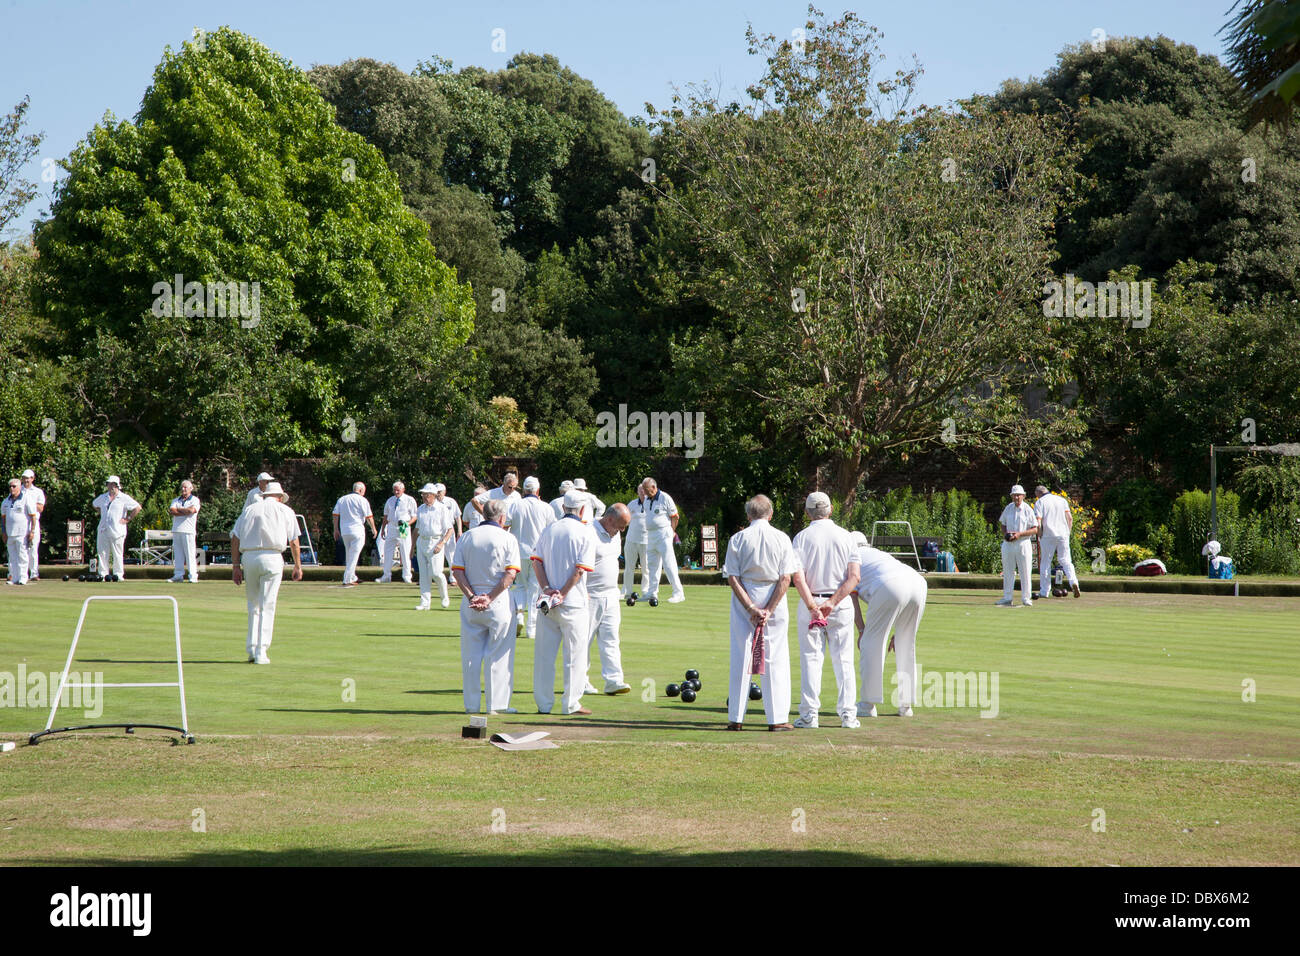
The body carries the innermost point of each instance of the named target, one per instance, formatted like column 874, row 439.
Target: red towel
column 756, row 664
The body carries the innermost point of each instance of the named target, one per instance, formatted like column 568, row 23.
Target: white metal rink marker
column 179, row 683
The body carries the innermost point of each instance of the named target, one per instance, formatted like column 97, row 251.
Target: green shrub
column 953, row 515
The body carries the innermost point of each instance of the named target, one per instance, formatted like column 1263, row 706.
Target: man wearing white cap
column 433, row 532
column 895, row 594
column 17, row 520
column 255, row 493
column 634, row 547
column 395, row 533
column 527, row 518
column 116, row 509
column 37, row 497
column 557, row 504
column 828, row 575
column 471, row 516
column 595, row 507
column 1019, row 525
column 351, row 515
column 565, row 554
column 1054, row 524
column 507, row 492
column 760, row 562
column 257, row 542
column 185, row 522
column 486, row 562
column 661, row 526
column 603, row 597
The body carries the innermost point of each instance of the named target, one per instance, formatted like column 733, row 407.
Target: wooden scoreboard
column 708, row 546
column 76, row 541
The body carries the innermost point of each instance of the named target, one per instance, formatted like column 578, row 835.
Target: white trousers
column 431, row 570
column 564, row 631
column 1049, row 545
column 183, row 555
column 352, row 545
column 17, row 558
column 897, row 605
column 524, row 593
column 487, row 653
column 634, row 552
column 836, row 639
column 662, row 557
column 776, row 656
column 390, row 542
column 110, row 553
column 34, row 552
column 263, row 571
column 606, row 616
column 1017, row 556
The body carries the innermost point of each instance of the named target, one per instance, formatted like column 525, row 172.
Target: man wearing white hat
column 595, row 507
column 895, row 595
column 351, row 515
column 527, row 518
column 1019, row 525
column 255, row 493
column 116, row 509
column 17, row 519
column 760, row 562
column 433, row 532
column 828, row 575
column 257, row 542
column 1054, row 524
column 565, row 554
column 603, row 597
column 184, row 510
column 634, row 547
column 486, row 562
column 395, row 533
column 557, row 504
column 661, row 526
column 37, row 497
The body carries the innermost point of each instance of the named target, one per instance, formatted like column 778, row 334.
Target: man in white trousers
column 895, row 595
column 526, row 519
column 395, row 533
column 255, row 493
column 116, row 509
column 557, row 504
column 661, row 525
column 17, row 521
column 606, row 603
column 1019, row 525
column 565, row 554
column 828, row 574
column 486, row 562
column 185, row 523
column 634, row 548
column 760, row 562
column 433, row 533
column 1054, row 523
column 257, row 542
column 37, row 497
column 351, row 516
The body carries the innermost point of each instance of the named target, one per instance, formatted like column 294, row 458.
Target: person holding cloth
column 1019, row 525
column 565, row 554
column 395, row 532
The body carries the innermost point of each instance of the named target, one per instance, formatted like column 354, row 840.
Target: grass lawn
column 1125, row 705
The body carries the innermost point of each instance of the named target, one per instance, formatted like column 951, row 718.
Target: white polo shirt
column 431, row 523
column 400, row 509
column 636, row 530
column 564, row 546
column 36, row 497
column 1052, row 511
column 254, row 494
column 17, row 512
column 484, row 554
column 498, row 494
column 603, row 582
column 760, row 556
column 659, row 511
column 877, row 567
column 825, row 551
column 1018, row 519
column 469, row 517
column 185, row 524
column 528, row 518
column 353, row 510
column 112, row 511
column 268, row 524
column 453, row 509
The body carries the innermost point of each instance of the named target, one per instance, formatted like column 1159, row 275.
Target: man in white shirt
column 433, row 533
column 606, row 605
column 1019, row 525
column 595, row 508
column 185, row 522
column 565, row 554
column 17, row 521
column 507, row 492
column 37, row 497
column 452, row 507
column 661, row 525
column 116, row 509
column 527, row 518
column 471, row 516
column 1054, row 523
column 634, row 548
column 827, row 577
column 395, row 533
column 760, row 562
column 257, row 542
column 895, row 594
column 557, row 504
column 351, row 515
column 486, row 562
column 255, row 493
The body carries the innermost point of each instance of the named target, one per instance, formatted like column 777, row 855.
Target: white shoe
column 905, row 711
column 407, row 581
column 169, row 580
column 808, row 724
column 868, row 711
column 263, row 659
column 423, row 607
column 614, row 689
column 850, row 723
column 677, row 599
column 383, row 580
column 1003, row 602
column 589, row 689
column 446, row 603
column 508, row 710
column 1027, row 603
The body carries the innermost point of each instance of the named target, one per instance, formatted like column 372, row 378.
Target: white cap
column 264, row 477
column 114, row 480
column 429, row 488
column 565, row 486
column 531, row 483
column 439, row 486
column 1017, row 490
column 580, row 484
column 273, row 488
column 817, row 498
column 28, row 473
column 573, row 498
column 859, row 539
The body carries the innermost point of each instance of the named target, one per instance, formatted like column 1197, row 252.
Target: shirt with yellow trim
column 485, row 553
column 564, row 546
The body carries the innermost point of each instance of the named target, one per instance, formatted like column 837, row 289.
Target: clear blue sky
column 80, row 58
